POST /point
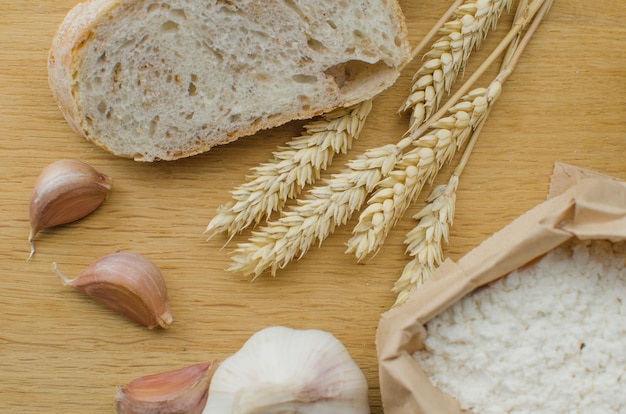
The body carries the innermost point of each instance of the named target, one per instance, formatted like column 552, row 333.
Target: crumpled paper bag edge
column 580, row 203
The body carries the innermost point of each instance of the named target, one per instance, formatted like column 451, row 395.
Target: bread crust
column 83, row 20
column 73, row 31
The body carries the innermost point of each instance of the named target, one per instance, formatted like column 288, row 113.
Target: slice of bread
column 165, row 79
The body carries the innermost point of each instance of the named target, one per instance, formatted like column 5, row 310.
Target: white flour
column 549, row 338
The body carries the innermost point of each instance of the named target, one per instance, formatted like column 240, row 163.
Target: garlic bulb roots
column 128, row 283
column 282, row 370
column 182, row 391
column 66, row 190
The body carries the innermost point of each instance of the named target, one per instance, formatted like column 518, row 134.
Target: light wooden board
column 60, row 352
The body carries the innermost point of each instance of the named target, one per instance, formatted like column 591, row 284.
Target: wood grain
column 60, row 352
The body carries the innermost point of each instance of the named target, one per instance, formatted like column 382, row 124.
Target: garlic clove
column 66, row 190
column 127, row 283
column 182, row 391
column 282, row 370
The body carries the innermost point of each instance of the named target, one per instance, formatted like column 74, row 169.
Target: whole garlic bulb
column 282, row 370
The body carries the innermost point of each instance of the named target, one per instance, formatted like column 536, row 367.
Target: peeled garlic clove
column 181, row 391
column 282, row 370
column 128, row 283
column 66, row 190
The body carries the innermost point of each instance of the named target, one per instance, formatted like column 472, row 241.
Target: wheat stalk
column 449, row 54
column 394, row 195
column 425, row 241
column 279, row 242
column 298, row 164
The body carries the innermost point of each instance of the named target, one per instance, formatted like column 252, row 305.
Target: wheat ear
column 436, row 142
column 424, row 242
column 460, row 35
column 280, row 241
column 298, row 164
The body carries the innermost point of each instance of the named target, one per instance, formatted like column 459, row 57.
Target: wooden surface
column 60, row 352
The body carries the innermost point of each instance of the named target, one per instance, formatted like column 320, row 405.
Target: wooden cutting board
column 60, row 352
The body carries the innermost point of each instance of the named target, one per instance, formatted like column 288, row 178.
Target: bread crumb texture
column 162, row 80
column 548, row 338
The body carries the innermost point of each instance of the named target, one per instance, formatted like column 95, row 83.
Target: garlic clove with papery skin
column 127, row 283
column 66, row 190
column 282, row 370
column 182, row 391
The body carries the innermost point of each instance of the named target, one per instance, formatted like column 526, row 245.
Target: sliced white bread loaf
column 165, row 79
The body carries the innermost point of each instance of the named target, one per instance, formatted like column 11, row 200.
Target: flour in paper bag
column 547, row 338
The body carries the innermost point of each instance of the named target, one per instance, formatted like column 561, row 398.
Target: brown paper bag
column 580, row 204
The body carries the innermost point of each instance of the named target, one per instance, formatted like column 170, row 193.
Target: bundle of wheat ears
column 389, row 178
